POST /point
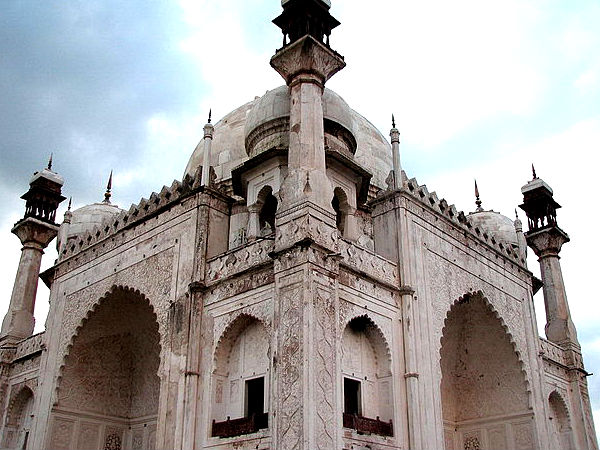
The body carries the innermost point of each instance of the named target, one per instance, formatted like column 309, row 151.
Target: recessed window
column 352, row 403
column 255, row 397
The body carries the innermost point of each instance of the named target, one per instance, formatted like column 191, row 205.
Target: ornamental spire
column 108, row 194
column 50, row 162
column 477, row 200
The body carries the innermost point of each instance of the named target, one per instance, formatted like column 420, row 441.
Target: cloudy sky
column 480, row 89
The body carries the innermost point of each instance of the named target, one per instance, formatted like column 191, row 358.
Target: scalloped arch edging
column 479, row 294
column 378, row 332
column 17, row 399
column 90, row 313
column 555, row 394
column 236, row 325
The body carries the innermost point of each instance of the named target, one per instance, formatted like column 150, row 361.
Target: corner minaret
column 306, row 62
column 35, row 230
column 546, row 240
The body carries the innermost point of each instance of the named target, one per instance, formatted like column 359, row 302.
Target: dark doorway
column 255, row 397
column 352, row 397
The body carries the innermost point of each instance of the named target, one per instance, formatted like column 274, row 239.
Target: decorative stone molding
column 368, row 263
column 239, row 260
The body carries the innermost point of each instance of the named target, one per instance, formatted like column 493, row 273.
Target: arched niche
column 18, row 419
column 342, row 210
column 240, row 381
column 483, row 387
column 261, row 214
column 560, row 423
column 366, row 378
column 109, row 384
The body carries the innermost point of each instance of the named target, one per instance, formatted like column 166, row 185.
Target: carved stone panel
column 61, row 434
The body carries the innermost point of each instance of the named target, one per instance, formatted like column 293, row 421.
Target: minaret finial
column 533, row 171
column 477, row 200
column 69, row 207
column 50, row 162
column 209, row 115
column 516, row 214
column 108, row 194
column 393, row 122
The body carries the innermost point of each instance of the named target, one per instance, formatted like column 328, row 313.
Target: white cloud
column 444, row 65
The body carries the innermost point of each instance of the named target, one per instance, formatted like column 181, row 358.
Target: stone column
column 35, row 235
column 546, row 243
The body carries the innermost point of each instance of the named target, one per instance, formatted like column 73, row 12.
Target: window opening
column 352, row 403
column 255, row 397
column 266, row 216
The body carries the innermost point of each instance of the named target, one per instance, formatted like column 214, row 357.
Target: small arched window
column 367, row 379
column 268, row 208
column 341, row 208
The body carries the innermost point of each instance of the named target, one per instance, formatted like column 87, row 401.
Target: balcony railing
column 364, row 425
column 237, row 427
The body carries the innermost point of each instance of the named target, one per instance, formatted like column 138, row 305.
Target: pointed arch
column 342, row 208
column 483, row 381
column 240, row 377
column 366, row 377
column 560, row 420
column 18, row 418
column 110, row 370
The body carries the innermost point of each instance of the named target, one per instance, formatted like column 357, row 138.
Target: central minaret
column 308, row 409
column 306, row 62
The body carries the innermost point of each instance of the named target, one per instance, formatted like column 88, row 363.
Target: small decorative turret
column 395, row 138
column 209, row 130
column 35, row 230
column 546, row 240
column 521, row 238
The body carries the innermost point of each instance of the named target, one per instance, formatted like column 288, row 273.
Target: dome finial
column 50, row 162
column 533, row 171
column 69, row 207
column 477, row 200
column 393, row 122
column 209, row 115
column 108, row 194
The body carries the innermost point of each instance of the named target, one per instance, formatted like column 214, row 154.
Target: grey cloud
column 80, row 78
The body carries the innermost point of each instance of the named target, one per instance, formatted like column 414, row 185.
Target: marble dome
column 234, row 134
column 88, row 217
column 499, row 226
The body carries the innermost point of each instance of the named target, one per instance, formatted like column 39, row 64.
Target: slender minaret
column 35, row 230
column 395, row 139
column 306, row 62
column 209, row 130
column 546, row 239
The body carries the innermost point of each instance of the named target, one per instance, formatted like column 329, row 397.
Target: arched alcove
column 109, row 383
column 240, row 381
column 342, row 208
column 483, row 386
column 18, row 419
column 366, row 378
column 268, row 207
column 562, row 433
